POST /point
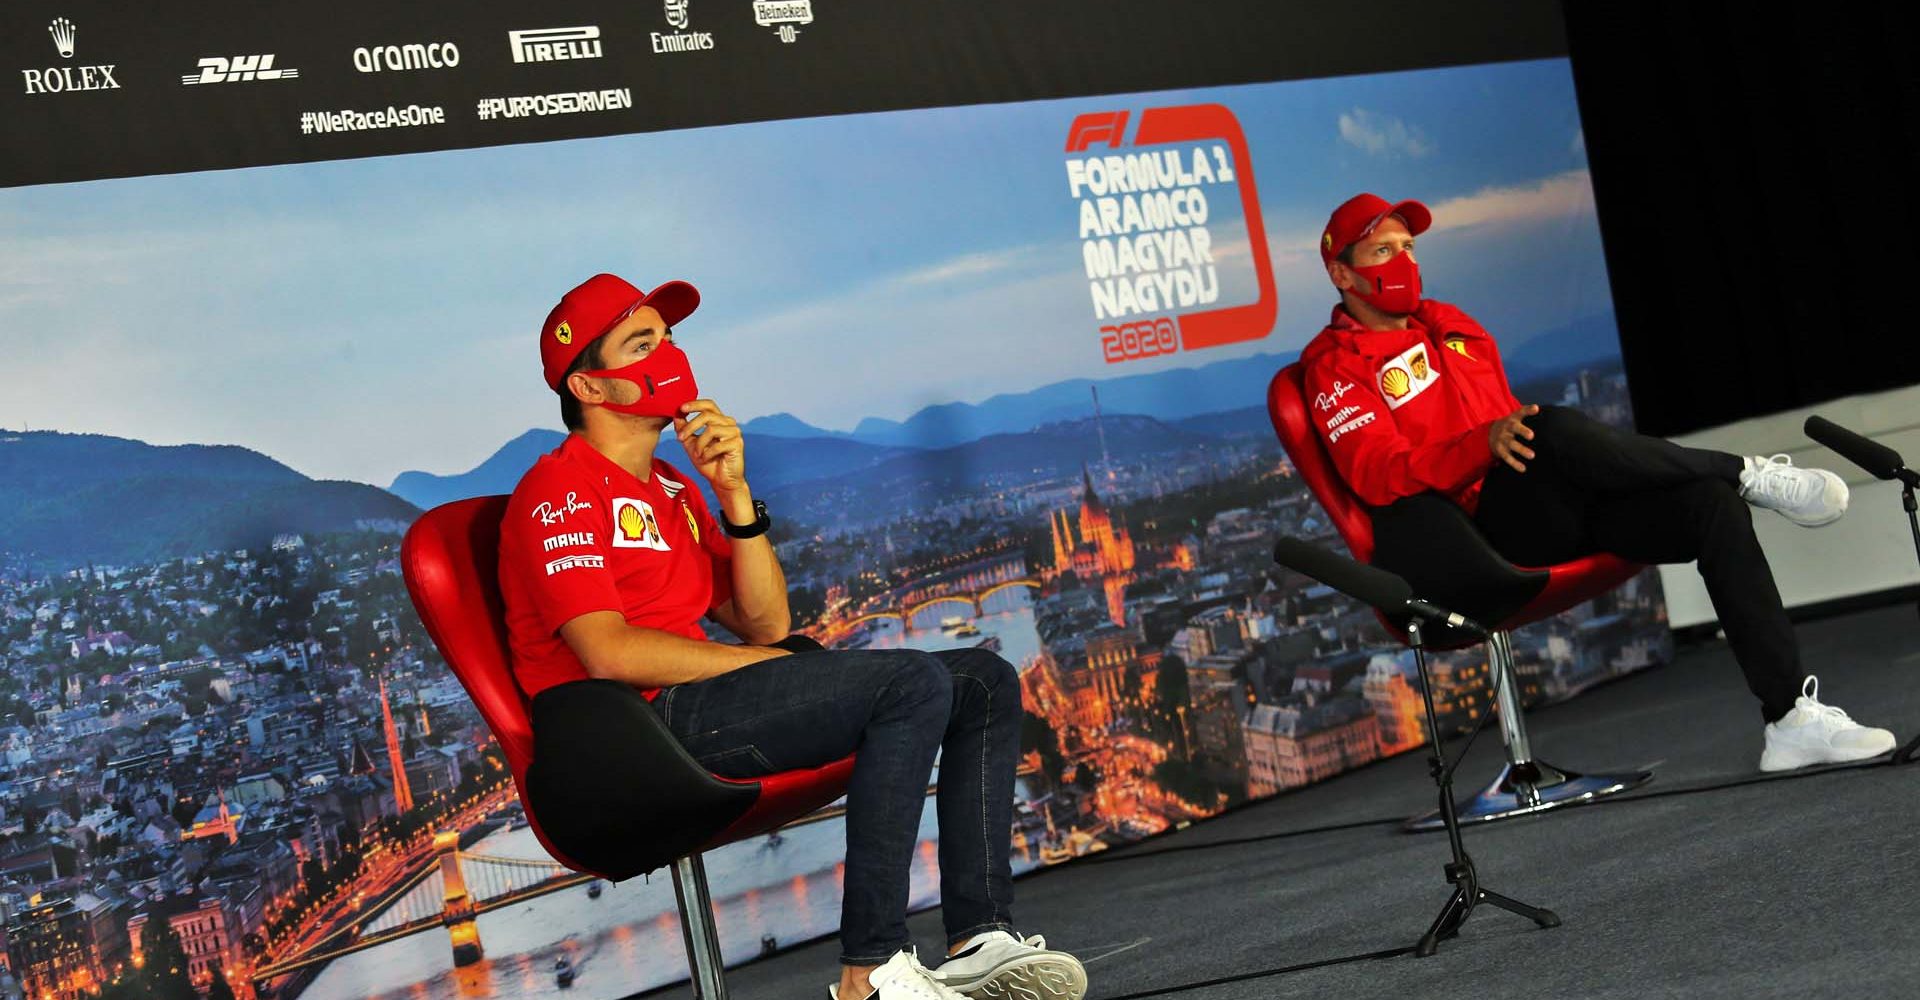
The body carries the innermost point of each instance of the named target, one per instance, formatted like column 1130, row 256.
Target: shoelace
column 1810, row 702
column 919, row 981
column 1790, row 489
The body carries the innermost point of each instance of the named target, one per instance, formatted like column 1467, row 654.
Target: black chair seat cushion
column 1433, row 544
column 613, row 789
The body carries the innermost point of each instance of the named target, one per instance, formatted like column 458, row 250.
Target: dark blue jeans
column 893, row 709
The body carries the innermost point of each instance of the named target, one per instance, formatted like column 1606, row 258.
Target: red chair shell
column 450, row 560
column 1568, row 584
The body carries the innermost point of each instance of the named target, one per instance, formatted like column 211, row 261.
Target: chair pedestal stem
column 697, row 927
column 1524, row 785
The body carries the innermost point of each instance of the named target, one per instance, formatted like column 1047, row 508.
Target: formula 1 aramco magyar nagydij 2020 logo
column 1144, row 214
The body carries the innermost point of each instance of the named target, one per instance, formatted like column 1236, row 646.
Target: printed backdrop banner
column 999, row 331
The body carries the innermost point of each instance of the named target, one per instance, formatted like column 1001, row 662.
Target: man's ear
column 1342, row 276
column 584, row 389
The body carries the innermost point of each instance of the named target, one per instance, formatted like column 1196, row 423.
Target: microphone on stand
column 1367, row 584
column 1883, row 462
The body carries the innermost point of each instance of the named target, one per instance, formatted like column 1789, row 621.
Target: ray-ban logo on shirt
column 550, row 514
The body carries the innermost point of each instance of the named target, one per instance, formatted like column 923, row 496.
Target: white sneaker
column 1003, row 965
column 1807, row 497
column 902, row 978
column 1819, row 734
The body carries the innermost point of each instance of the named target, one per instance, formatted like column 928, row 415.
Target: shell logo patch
column 1458, row 345
column 635, row 527
column 563, row 333
column 1406, row 375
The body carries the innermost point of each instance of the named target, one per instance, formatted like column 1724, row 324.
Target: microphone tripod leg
column 1446, row 925
column 1539, row 915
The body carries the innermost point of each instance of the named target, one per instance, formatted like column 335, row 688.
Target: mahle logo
column 64, row 79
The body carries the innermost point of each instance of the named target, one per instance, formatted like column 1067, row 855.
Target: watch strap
column 761, row 522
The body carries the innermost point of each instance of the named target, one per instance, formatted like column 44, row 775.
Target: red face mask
column 1393, row 287
column 665, row 380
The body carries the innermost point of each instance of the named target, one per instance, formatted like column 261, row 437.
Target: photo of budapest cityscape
column 227, row 745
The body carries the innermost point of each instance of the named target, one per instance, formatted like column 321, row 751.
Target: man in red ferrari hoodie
column 1410, row 397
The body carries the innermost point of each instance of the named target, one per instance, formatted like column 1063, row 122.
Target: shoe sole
column 1036, row 977
column 1823, row 522
column 1770, row 761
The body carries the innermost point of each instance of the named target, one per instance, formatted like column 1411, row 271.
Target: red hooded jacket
column 1406, row 411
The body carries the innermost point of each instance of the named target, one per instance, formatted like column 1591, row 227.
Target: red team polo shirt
column 1406, row 411
column 582, row 534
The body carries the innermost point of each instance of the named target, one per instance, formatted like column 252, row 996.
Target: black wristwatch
column 761, row 522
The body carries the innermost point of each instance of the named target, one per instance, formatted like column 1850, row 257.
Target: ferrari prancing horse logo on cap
column 563, row 333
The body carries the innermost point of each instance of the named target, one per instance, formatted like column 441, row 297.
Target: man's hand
column 1505, row 434
column 712, row 440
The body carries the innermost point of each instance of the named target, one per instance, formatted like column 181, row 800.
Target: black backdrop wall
column 1754, row 175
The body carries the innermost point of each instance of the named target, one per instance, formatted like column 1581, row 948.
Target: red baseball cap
column 1361, row 214
column 597, row 305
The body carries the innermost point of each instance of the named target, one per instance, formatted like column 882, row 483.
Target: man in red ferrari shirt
column 1410, row 397
column 609, row 559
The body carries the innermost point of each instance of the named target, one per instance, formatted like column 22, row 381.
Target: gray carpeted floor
column 1806, row 886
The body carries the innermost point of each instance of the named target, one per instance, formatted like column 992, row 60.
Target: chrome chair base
column 1532, row 787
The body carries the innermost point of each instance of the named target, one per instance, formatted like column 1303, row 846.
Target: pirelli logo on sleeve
column 564, row 563
column 1406, row 375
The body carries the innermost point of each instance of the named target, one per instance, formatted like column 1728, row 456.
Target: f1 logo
column 1108, row 125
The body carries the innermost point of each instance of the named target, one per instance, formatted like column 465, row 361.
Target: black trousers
column 1593, row 488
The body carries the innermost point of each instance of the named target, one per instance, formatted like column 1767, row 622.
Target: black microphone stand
column 1908, row 480
column 1467, row 891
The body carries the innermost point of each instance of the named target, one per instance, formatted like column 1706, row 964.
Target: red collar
column 577, row 449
